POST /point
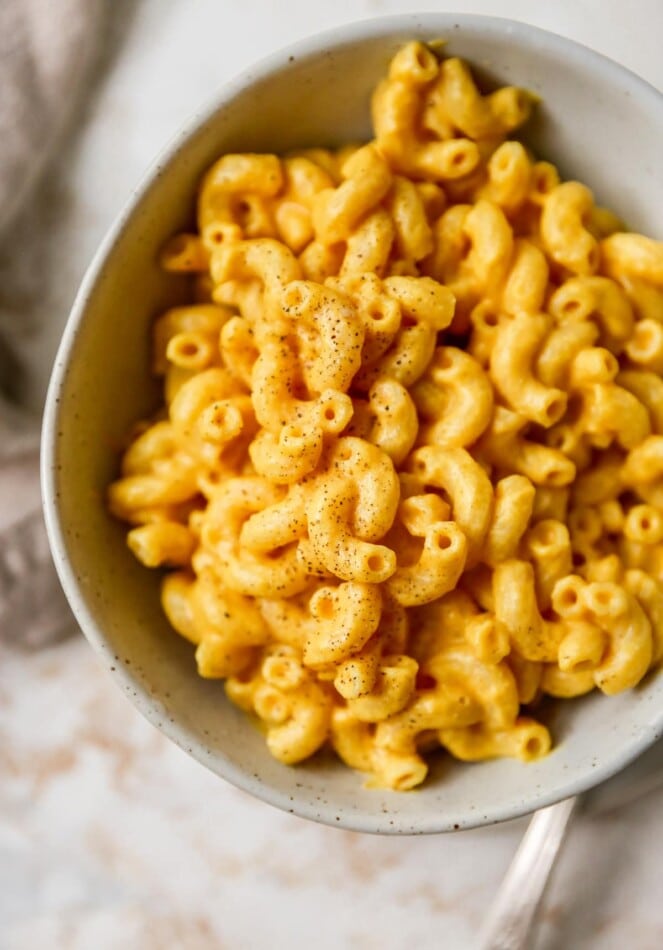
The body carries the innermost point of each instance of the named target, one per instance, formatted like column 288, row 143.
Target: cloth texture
column 47, row 49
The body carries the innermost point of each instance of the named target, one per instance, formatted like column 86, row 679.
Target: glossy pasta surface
column 407, row 479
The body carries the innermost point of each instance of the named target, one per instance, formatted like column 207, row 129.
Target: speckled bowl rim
column 437, row 22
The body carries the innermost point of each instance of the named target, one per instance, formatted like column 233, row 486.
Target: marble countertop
column 110, row 836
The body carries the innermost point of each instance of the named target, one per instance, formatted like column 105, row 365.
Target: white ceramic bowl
column 600, row 123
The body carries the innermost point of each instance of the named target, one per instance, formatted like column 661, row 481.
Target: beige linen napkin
column 47, row 48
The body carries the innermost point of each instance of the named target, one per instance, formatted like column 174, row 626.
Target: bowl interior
column 600, row 124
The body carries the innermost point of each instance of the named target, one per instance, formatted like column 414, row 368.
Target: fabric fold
column 47, row 49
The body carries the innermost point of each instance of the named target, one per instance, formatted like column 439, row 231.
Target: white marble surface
column 109, row 835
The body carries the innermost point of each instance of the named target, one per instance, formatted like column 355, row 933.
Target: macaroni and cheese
column 408, row 474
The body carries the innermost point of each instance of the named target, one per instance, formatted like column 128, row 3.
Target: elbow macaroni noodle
column 408, row 478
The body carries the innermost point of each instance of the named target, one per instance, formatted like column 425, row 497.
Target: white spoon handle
column 512, row 916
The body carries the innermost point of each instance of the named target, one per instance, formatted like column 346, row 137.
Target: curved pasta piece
column 512, row 510
column 393, row 688
column 649, row 594
column 232, row 617
column 344, row 619
column 135, row 498
column 288, row 457
column 389, row 419
column 279, row 523
column 414, row 239
column 491, row 685
column 223, row 421
column 456, row 396
column 282, row 667
column 604, row 481
column 373, row 475
column 289, row 620
column 263, row 259
column 303, row 180
column 527, row 674
column 441, row 624
column 645, row 347
column 512, row 369
column 491, row 245
column 351, row 739
column 368, row 248
column 509, row 177
column 162, row 542
column 526, row 740
column 468, row 487
column 226, row 215
column 644, row 463
column 205, row 319
column 527, row 281
column 480, row 117
column 614, row 413
column 233, row 502
column 176, row 589
column 331, row 515
column 238, row 349
column 504, row 446
column 421, row 298
column 597, row 300
column 240, row 172
column 447, row 706
column 336, row 212
column 396, row 105
column 548, row 546
column 582, row 647
column 488, row 639
column 633, row 255
column 559, row 350
column 217, row 659
column 329, row 331
column 591, row 366
column 438, row 569
column 198, row 393
column 564, row 234
column 630, row 649
column 407, row 357
column 566, row 684
column 396, row 770
column 300, row 722
column 257, row 574
column 357, row 675
column 516, row 607
column 184, row 254
column 274, row 372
